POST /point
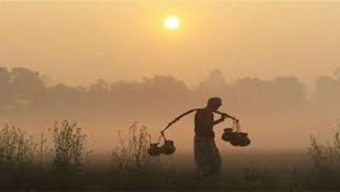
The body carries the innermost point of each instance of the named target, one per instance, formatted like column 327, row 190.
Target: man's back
column 204, row 123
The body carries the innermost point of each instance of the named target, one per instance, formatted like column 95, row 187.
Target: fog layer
column 276, row 113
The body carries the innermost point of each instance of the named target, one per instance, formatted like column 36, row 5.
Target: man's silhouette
column 207, row 157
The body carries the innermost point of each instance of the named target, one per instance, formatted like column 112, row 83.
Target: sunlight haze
column 79, row 42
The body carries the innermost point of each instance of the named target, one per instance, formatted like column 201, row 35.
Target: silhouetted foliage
column 16, row 148
column 131, row 154
column 23, row 88
column 326, row 162
column 327, row 92
column 134, row 170
column 24, row 96
column 69, row 145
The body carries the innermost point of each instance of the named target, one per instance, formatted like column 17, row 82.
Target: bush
column 326, row 162
column 16, row 148
column 131, row 156
column 69, row 145
column 324, row 156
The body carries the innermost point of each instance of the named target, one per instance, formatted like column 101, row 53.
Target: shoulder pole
column 187, row 113
column 176, row 119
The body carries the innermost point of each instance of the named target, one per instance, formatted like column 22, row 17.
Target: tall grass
column 325, row 160
column 69, row 145
column 132, row 167
column 30, row 164
column 16, row 148
column 131, row 153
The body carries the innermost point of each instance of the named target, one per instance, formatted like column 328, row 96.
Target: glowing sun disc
column 172, row 23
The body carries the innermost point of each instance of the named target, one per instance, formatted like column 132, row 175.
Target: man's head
column 214, row 103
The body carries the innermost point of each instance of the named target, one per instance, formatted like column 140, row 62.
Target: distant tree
column 26, row 87
column 97, row 94
column 337, row 73
column 289, row 93
column 327, row 91
column 5, row 88
column 64, row 98
column 283, row 93
column 214, row 85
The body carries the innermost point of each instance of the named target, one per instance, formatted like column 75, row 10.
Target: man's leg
column 217, row 160
column 202, row 154
column 198, row 159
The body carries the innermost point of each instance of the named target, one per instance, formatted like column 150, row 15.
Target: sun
column 172, row 23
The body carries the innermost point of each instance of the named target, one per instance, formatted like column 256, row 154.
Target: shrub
column 16, row 148
column 69, row 145
column 131, row 156
column 326, row 162
column 324, row 156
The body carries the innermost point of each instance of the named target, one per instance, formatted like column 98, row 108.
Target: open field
column 257, row 170
column 68, row 165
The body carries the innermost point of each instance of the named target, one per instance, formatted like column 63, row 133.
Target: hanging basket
column 154, row 149
column 235, row 136
column 228, row 134
column 168, row 147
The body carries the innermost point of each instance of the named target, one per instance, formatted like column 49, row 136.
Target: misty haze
column 274, row 112
column 88, row 88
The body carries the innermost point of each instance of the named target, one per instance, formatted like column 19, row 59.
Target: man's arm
column 219, row 120
column 226, row 115
column 223, row 117
column 206, row 119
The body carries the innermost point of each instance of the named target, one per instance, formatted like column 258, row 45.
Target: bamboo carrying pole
column 187, row 113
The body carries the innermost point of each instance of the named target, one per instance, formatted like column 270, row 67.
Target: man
column 207, row 157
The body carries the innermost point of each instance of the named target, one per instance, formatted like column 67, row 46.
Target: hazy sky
column 79, row 41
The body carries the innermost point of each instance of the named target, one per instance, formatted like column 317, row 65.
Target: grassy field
column 261, row 171
column 68, row 165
